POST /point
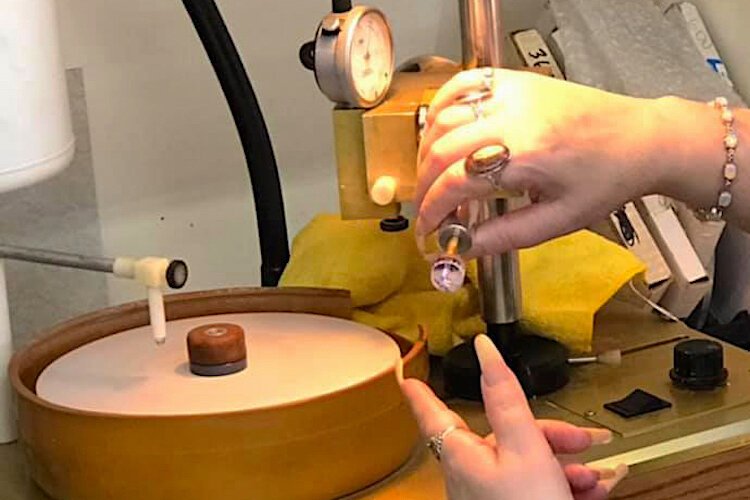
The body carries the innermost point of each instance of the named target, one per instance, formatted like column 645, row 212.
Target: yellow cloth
column 564, row 282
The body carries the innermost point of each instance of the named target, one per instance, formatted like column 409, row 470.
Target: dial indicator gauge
column 371, row 58
column 354, row 58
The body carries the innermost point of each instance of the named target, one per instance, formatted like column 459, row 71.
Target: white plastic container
column 36, row 135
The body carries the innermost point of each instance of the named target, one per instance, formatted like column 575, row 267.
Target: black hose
column 256, row 143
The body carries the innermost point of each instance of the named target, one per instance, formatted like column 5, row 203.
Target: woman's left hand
column 519, row 460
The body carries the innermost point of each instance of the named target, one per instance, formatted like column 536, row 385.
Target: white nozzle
column 157, row 315
column 148, row 271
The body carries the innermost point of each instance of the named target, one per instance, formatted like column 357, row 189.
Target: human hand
column 517, row 461
column 578, row 152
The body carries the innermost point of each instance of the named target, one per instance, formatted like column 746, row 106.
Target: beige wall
column 170, row 175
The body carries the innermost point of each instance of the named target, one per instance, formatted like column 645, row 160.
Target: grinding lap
column 291, row 357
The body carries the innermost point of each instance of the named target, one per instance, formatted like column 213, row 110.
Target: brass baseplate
column 699, row 423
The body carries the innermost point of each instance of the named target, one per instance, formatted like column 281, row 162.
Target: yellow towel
column 564, row 282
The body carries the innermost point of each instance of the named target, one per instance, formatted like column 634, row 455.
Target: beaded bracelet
column 731, row 141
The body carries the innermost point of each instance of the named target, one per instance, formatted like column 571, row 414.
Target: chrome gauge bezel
column 333, row 52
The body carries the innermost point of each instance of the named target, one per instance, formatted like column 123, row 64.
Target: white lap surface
column 291, row 357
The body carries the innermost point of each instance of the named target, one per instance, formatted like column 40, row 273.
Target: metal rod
column 481, row 33
column 61, row 259
column 583, row 361
column 657, row 343
column 499, row 277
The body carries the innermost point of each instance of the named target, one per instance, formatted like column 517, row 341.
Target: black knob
column 307, row 55
column 177, row 274
column 698, row 365
column 394, row 225
column 341, row 6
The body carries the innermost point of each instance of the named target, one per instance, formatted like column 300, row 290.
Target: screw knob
column 699, row 365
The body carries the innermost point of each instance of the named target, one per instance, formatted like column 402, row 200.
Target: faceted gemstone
column 448, row 274
column 730, row 171
column 722, row 101
column 725, row 199
column 727, row 116
column 731, row 141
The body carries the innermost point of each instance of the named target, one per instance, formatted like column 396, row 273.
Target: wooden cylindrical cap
column 217, row 349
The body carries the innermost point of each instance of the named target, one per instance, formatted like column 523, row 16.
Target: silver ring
column 488, row 79
column 475, row 96
column 435, row 443
column 476, row 101
column 478, row 109
column 422, row 112
column 488, row 163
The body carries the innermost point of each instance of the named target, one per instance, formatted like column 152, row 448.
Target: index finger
column 457, row 86
column 454, row 146
column 505, row 403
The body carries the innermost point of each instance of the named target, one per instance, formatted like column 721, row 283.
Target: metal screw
column 589, row 413
column 331, row 25
column 216, row 332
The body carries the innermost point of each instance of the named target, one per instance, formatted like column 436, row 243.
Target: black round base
column 699, row 383
column 540, row 364
column 218, row 370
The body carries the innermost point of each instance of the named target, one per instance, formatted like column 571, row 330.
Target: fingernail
column 421, row 244
column 599, row 436
column 400, row 371
column 489, row 360
column 604, row 472
column 419, row 227
column 620, row 472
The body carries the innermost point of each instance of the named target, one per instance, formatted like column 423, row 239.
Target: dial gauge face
column 371, row 57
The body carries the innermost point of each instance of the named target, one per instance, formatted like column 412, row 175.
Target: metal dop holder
column 540, row 364
column 499, row 278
